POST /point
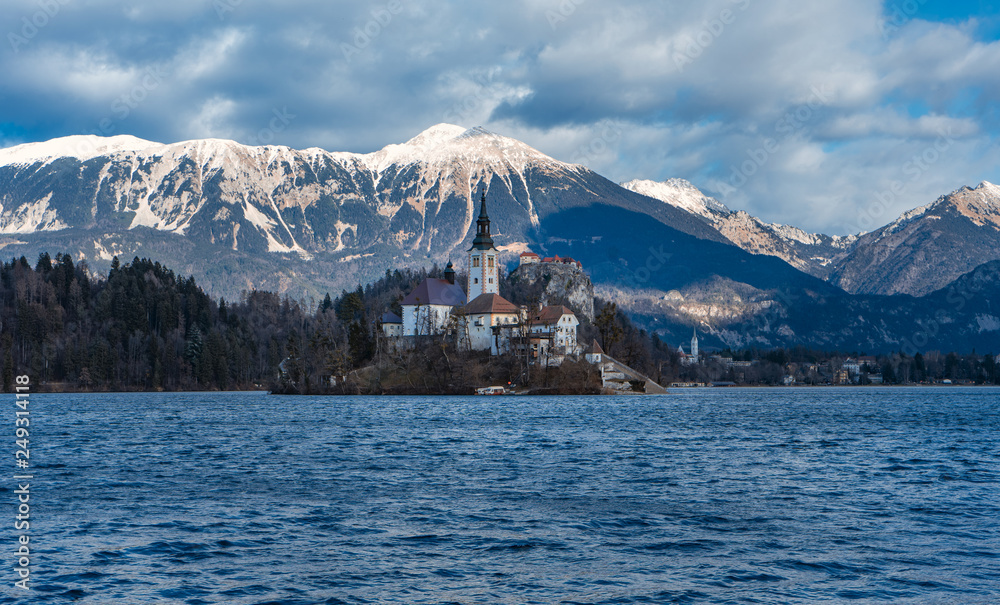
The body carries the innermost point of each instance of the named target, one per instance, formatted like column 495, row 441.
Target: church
column 480, row 319
column 693, row 358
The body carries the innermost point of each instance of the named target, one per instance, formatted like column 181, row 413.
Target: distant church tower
column 694, row 345
column 483, row 276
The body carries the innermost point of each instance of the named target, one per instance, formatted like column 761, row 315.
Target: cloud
column 633, row 89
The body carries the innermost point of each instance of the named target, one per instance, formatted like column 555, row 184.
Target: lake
column 885, row 495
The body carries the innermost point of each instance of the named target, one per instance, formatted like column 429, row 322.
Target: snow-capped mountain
column 308, row 221
column 682, row 194
column 928, row 247
column 815, row 254
column 412, row 203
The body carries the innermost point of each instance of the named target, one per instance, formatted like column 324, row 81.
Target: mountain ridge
column 952, row 235
column 311, row 221
column 411, row 203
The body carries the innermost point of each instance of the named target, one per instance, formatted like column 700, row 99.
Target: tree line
column 139, row 328
column 144, row 328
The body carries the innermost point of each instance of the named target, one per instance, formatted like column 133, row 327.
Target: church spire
column 482, row 207
column 483, row 240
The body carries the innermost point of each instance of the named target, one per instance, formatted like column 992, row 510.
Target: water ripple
column 710, row 496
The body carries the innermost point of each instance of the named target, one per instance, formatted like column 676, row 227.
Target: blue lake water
column 699, row 496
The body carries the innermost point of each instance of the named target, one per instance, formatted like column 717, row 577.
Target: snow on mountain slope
column 812, row 253
column 446, row 144
column 682, row 194
column 418, row 197
column 81, row 147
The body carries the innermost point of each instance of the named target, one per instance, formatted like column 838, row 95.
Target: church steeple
column 483, row 258
column 483, row 240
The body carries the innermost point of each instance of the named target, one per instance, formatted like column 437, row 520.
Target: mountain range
column 305, row 222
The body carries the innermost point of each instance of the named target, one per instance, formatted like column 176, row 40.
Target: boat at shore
column 495, row 390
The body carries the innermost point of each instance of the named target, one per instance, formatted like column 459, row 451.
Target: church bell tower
column 483, row 275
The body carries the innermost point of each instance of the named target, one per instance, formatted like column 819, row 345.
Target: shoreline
column 263, row 391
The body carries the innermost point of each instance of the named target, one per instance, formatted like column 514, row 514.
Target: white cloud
column 213, row 120
column 553, row 73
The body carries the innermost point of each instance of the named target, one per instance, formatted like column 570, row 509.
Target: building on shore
column 427, row 309
column 691, row 358
column 553, row 332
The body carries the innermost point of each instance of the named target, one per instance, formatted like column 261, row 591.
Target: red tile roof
column 490, row 303
column 551, row 315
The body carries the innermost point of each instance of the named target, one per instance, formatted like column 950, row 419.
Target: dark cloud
column 686, row 90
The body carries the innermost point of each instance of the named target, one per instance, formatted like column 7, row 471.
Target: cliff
column 556, row 283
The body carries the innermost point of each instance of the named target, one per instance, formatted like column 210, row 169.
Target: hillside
column 293, row 221
column 305, row 222
column 927, row 248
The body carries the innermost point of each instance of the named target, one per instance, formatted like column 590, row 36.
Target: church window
column 491, row 280
column 475, row 262
column 475, row 280
column 491, row 262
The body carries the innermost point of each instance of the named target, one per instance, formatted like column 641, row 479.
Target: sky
column 832, row 116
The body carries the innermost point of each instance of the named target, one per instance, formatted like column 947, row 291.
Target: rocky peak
column 980, row 205
column 682, row 194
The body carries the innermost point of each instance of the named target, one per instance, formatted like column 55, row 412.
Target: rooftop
column 490, row 303
column 551, row 315
column 433, row 291
column 594, row 349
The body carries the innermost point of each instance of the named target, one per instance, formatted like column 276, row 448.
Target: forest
column 144, row 328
